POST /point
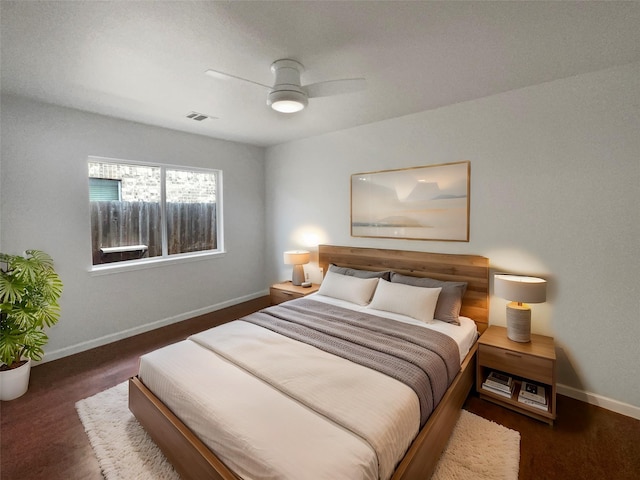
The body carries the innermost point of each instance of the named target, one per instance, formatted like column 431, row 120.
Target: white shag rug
column 478, row 448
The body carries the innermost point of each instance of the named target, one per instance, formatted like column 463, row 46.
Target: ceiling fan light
column 287, row 106
column 287, row 101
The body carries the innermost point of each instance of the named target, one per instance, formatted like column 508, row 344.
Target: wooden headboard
column 473, row 269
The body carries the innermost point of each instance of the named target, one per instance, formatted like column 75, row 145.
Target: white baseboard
column 600, row 401
column 98, row 342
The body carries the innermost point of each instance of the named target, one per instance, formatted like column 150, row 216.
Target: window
column 141, row 211
column 104, row 189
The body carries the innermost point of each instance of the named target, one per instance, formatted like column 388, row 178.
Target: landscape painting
column 419, row 203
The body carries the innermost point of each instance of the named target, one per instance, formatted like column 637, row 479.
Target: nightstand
column 534, row 361
column 281, row 292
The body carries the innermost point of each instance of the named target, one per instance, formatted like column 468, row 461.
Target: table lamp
column 519, row 289
column 297, row 258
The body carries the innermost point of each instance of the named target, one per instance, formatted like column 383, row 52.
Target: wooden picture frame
column 419, row 203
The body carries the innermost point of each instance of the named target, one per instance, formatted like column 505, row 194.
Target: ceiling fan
column 288, row 95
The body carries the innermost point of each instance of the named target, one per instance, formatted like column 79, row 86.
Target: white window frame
column 165, row 258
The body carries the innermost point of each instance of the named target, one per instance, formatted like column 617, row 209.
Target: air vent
column 198, row 117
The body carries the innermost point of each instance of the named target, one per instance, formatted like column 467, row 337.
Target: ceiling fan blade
column 335, row 87
column 227, row 76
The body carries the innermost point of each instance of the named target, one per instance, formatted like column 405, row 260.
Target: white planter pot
column 14, row 383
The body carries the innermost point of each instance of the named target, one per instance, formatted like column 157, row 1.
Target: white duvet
column 328, row 418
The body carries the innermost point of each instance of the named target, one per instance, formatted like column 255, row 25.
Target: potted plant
column 29, row 293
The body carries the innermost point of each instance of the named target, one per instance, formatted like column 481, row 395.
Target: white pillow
column 344, row 287
column 415, row 302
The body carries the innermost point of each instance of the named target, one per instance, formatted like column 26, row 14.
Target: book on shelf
column 498, row 391
column 500, row 381
column 532, row 403
column 533, row 392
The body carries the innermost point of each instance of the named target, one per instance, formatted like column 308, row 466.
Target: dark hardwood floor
column 586, row 442
column 43, row 438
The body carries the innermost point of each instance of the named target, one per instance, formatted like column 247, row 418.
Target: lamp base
column 519, row 322
column 298, row 275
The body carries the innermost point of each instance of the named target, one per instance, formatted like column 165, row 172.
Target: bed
column 312, row 423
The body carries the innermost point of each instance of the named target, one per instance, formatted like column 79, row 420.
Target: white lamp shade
column 521, row 289
column 296, row 257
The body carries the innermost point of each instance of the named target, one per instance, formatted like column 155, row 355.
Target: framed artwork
column 419, row 203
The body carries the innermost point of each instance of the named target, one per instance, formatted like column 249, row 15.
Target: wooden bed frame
column 193, row 460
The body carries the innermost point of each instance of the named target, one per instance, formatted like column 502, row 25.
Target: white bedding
column 260, row 432
column 240, row 417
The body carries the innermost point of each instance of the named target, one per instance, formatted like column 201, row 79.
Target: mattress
column 263, row 432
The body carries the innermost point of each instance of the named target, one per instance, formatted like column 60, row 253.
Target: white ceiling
column 145, row 61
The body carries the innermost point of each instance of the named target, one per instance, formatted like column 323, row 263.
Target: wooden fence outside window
column 191, row 227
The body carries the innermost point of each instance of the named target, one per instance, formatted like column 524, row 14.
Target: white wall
column 45, row 206
column 555, row 192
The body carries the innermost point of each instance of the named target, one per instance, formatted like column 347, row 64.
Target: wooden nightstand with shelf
column 534, row 361
column 281, row 292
